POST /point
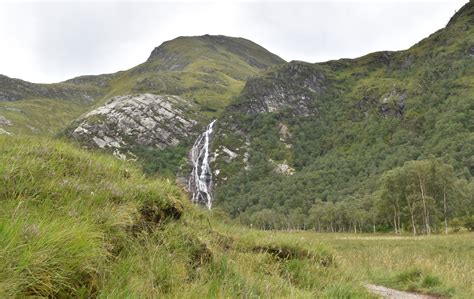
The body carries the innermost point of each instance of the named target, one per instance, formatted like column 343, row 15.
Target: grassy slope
column 43, row 109
column 39, row 116
column 78, row 224
column 209, row 70
column 340, row 153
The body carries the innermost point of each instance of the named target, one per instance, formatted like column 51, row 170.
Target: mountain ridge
column 208, row 79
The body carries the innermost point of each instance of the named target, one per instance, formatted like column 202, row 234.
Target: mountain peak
column 466, row 12
column 187, row 42
column 195, row 47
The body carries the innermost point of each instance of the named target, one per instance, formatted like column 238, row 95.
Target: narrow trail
column 388, row 293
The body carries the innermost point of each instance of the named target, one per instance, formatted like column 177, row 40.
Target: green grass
column 438, row 265
column 40, row 117
column 75, row 223
column 66, row 213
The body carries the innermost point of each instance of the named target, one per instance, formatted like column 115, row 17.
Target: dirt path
column 395, row 294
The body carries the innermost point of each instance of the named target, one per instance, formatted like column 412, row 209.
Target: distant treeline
column 421, row 197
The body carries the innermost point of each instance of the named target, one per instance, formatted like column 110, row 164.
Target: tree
column 425, row 189
column 393, row 192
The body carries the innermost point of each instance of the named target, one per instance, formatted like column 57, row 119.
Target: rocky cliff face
column 293, row 87
column 4, row 121
column 144, row 119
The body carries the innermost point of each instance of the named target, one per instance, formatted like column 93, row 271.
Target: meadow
column 436, row 264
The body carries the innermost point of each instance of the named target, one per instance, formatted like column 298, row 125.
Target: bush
column 468, row 223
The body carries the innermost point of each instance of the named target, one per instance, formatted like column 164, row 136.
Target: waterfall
column 200, row 181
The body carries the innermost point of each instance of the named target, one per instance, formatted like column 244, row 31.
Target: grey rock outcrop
column 4, row 121
column 143, row 119
column 5, row 132
column 389, row 104
column 293, row 87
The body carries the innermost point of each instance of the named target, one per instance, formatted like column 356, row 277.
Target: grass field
column 438, row 264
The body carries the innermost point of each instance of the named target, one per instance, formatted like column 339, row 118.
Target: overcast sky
column 53, row 41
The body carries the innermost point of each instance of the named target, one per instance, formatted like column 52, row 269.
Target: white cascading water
column 200, row 181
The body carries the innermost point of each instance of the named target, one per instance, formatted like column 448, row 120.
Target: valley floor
column 439, row 265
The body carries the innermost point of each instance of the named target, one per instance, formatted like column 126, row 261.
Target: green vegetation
column 66, row 214
column 43, row 109
column 349, row 123
column 79, row 224
column 416, row 280
column 420, row 197
column 428, row 192
column 437, row 264
column 164, row 162
column 43, row 117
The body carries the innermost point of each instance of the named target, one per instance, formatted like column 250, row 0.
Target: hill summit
column 213, row 46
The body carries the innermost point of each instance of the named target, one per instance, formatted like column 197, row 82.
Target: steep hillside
column 307, row 133
column 76, row 224
column 42, row 109
column 206, row 71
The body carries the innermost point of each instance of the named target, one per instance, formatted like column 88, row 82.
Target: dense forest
column 421, row 196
